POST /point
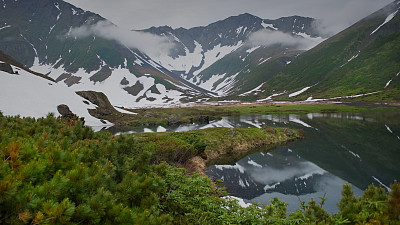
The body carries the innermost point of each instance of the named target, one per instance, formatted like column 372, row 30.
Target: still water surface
column 339, row 148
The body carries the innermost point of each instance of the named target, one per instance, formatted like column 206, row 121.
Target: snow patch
column 239, row 30
column 388, row 128
column 354, row 154
column 257, row 89
column 1, row 28
column 226, row 85
column 388, row 83
column 215, row 54
column 268, row 25
column 124, row 111
column 353, row 57
column 270, row 97
column 208, row 85
column 28, row 95
column 299, row 92
column 265, row 60
column 383, row 185
column 388, row 18
column 252, row 49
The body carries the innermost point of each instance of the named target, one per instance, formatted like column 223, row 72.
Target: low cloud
column 152, row 45
column 270, row 37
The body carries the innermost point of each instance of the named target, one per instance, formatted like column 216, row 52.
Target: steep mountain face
column 361, row 61
column 39, row 35
column 221, row 56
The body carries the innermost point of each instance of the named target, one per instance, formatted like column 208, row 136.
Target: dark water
column 359, row 149
column 338, row 148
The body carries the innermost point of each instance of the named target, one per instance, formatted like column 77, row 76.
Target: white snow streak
column 388, row 83
column 257, row 89
column 388, row 128
column 383, row 185
column 267, row 25
column 389, row 18
column 1, row 28
column 265, row 60
column 299, row 92
column 270, row 97
column 252, row 49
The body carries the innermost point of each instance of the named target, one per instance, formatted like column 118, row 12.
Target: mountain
column 44, row 36
column 220, row 57
column 362, row 61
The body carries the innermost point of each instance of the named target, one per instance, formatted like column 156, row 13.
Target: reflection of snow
column 251, row 123
column 269, row 187
column 354, row 154
column 147, row 130
column 377, row 180
column 330, row 187
column 295, row 119
column 251, row 162
column 297, row 170
column 388, row 128
column 161, row 129
column 239, row 201
column 236, row 167
column 220, row 123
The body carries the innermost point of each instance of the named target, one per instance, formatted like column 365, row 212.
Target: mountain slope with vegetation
column 365, row 58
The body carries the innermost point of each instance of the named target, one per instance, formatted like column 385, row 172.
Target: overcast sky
column 141, row 14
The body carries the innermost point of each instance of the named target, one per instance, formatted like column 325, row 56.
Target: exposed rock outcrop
column 6, row 68
column 65, row 111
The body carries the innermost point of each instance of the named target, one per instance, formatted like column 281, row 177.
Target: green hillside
column 355, row 61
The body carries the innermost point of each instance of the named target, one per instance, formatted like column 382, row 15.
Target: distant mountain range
column 220, row 57
column 240, row 58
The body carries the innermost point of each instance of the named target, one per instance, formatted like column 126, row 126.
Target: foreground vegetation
column 56, row 171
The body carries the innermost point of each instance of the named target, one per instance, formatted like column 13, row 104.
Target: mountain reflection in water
column 338, row 148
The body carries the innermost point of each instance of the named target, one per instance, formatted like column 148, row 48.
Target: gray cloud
column 269, row 37
column 140, row 14
column 150, row 44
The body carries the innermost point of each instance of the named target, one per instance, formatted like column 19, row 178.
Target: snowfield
column 114, row 90
column 28, row 95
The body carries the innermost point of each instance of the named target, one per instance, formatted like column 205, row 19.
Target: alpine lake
column 338, row 148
